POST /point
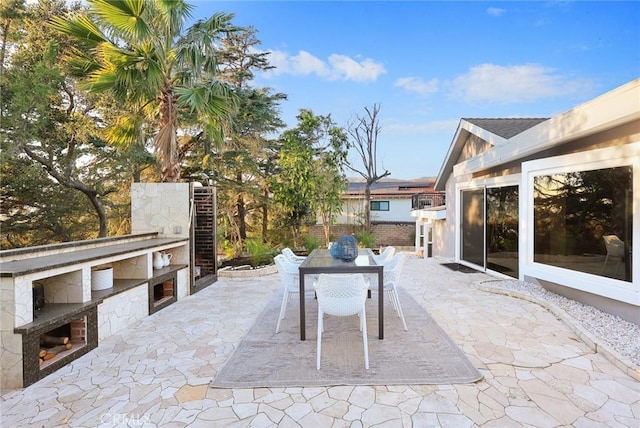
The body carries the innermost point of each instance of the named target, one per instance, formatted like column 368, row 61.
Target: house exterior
column 554, row 201
column 392, row 202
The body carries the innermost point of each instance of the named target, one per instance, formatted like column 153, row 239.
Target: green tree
column 57, row 172
column 167, row 77
column 310, row 170
column 239, row 166
column 11, row 14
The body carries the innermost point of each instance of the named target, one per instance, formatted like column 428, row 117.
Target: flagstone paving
column 537, row 372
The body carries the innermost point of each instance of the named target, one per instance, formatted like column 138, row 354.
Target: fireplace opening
column 61, row 341
column 163, row 292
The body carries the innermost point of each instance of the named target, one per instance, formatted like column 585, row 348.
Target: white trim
column 622, row 155
column 614, row 108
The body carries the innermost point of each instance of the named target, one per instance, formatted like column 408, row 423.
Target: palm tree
column 166, row 79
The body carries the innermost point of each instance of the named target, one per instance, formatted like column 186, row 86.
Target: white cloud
column 337, row 67
column 496, row 11
column 511, row 84
column 417, row 85
column 345, row 68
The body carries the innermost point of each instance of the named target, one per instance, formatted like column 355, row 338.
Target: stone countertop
column 53, row 314
column 34, row 264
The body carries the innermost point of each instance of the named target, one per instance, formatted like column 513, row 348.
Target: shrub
column 259, row 252
column 311, row 243
column 365, row 239
column 230, row 249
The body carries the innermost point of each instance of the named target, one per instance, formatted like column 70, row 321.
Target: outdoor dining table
column 320, row 261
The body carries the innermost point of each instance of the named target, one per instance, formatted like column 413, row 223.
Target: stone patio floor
column 537, row 372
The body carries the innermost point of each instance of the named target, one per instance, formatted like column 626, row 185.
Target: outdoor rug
column 423, row 355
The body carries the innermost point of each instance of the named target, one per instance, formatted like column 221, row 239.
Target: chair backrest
column 341, row 294
column 393, row 268
column 288, row 272
column 386, row 254
column 291, row 256
column 614, row 245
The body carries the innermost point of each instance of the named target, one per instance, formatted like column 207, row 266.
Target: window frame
column 379, row 203
column 611, row 157
column 485, row 183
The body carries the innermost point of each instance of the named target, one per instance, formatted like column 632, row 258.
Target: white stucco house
column 555, row 201
column 391, row 200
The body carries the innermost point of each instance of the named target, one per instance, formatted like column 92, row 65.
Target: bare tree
column 364, row 139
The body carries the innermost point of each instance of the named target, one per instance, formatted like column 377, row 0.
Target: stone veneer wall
column 121, row 311
column 182, row 287
column 162, row 208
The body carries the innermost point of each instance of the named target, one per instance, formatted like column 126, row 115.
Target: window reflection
column 574, row 212
column 502, row 230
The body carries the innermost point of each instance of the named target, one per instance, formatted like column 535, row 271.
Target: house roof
column 506, row 127
column 496, row 131
column 389, row 188
column 614, row 108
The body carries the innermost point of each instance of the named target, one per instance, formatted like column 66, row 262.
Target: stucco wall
column 353, row 211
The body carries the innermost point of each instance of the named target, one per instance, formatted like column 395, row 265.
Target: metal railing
column 427, row 200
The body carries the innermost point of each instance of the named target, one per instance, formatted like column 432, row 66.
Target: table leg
column 303, row 329
column 380, row 305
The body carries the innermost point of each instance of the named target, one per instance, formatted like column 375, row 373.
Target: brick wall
column 396, row 234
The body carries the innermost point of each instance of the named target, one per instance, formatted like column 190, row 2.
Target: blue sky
column 428, row 64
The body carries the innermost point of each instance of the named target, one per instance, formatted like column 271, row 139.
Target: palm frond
column 125, row 16
column 125, row 131
column 197, row 49
column 173, row 14
column 80, row 27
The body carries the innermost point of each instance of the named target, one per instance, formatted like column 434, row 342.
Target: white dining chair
column 291, row 256
column 391, row 277
column 615, row 249
column 342, row 295
column 289, row 276
column 385, row 255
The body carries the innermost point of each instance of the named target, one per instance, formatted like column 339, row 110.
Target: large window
column 583, row 221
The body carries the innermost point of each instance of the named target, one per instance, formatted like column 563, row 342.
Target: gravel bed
column 620, row 335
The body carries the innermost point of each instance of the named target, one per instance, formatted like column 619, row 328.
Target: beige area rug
column 423, row 355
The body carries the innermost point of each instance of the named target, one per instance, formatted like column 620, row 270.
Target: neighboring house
column 391, row 201
column 540, row 199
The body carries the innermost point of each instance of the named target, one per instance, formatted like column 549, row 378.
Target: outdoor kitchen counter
column 25, row 266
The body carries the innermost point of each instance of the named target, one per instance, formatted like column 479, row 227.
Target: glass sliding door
column 489, row 228
column 502, row 230
column 472, row 227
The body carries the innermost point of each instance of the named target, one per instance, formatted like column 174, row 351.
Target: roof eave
column 614, row 108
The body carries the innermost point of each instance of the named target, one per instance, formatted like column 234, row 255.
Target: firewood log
column 53, row 340
column 57, row 349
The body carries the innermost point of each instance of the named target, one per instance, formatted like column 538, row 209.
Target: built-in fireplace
column 162, row 290
column 62, row 333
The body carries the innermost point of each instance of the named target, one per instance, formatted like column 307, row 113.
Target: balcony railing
column 427, row 200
